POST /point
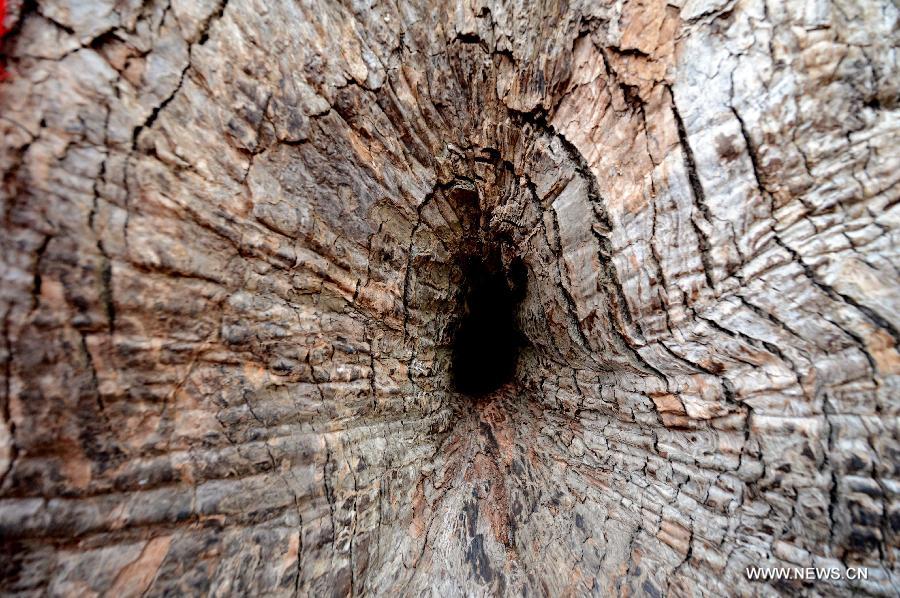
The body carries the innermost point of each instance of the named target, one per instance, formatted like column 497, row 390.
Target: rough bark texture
column 234, row 248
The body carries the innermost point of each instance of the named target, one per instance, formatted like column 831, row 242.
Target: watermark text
column 806, row 573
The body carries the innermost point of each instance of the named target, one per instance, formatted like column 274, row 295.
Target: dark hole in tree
column 487, row 340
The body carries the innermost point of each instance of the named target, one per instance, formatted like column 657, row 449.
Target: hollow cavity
column 487, row 340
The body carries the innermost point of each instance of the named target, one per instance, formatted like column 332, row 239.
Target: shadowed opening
column 487, row 340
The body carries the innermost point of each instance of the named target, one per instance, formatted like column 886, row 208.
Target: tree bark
column 237, row 254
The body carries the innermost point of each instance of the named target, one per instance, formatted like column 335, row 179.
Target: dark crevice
column 37, row 279
column 487, row 340
column 699, row 195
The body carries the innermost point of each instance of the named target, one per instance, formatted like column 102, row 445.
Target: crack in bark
column 699, row 196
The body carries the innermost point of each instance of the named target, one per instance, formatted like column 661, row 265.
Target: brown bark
column 241, row 241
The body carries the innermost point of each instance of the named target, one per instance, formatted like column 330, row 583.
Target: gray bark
column 233, row 247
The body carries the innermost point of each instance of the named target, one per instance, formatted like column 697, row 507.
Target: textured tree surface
column 241, row 240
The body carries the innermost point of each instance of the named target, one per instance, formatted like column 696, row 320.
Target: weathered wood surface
column 231, row 247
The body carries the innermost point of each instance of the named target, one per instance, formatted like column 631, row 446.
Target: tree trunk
column 445, row 298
